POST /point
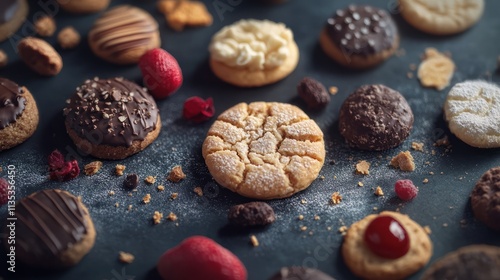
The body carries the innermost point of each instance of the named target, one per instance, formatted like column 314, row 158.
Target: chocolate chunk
column 12, row 102
column 478, row 262
column 313, row 93
column 251, row 214
column 300, row 273
column 485, row 198
column 132, row 181
column 375, row 118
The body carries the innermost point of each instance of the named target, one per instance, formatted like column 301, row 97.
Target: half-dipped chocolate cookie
column 18, row 114
column 375, row 118
column 112, row 118
column 359, row 36
column 12, row 15
column 123, row 34
column 53, row 230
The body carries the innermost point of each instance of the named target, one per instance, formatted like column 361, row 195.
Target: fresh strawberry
column 160, row 72
column 4, row 191
column 199, row 257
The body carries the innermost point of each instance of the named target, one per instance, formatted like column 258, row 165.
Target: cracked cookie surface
column 264, row 150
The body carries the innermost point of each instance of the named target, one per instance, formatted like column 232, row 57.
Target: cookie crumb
column 303, row 228
column 180, row 14
column 45, row 26
column 303, row 201
column 4, row 59
column 363, row 167
column 124, row 257
column 111, row 193
column 157, row 216
column 254, row 241
column 68, row 38
column 436, row 70
column 333, row 90
column 417, row 146
column 198, row 191
column 425, row 181
column 445, row 225
column 160, row 188
column 117, row 205
column 146, row 199
column 360, row 184
column 119, row 169
column 409, row 75
column 174, row 195
column 443, row 141
column 375, row 208
column 301, row 217
column 343, row 230
column 92, row 168
column 413, row 66
column 129, row 207
column 150, row 180
column 427, row 229
column 317, row 218
column 431, row 173
column 176, row 174
column 403, row 161
column 379, row 191
column 336, row 198
column 172, row 217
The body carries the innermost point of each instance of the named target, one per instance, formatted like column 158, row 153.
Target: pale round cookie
column 253, row 53
column 123, row 34
column 12, row 15
column 83, row 6
column 365, row 264
column 264, row 150
column 18, row 114
column 443, row 17
column 472, row 110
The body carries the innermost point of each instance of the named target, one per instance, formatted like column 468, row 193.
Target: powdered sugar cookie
column 264, row 150
column 472, row 110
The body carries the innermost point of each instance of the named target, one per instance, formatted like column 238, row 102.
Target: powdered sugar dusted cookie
column 472, row 110
column 264, row 150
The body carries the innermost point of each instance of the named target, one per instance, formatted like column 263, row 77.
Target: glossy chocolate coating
column 112, row 112
column 8, row 9
column 12, row 102
column 362, row 30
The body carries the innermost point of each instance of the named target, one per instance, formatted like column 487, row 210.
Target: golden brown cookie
column 54, row 229
column 253, row 53
column 12, row 15
column 123, row 34
column 83, row 6
column 443, row 17
column 180, row 14
column 18, row 114
column 112, row 119
column 366, row 264
column 40, row 56
column 264, row 150
column 359, row 36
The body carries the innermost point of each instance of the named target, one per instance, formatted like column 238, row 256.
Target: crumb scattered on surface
column 129, row 207
column 409, row 75
column 180, row 14
column 176, row 174
column 443, row 141
column 117, row 204
column 328, row 228
column 379, row 191
column 111, row 193
column 254, row 241
column 360, row 184
column 427, row 229
column 301, row 217
column 45, row 26
column 431, row 173
column 413, row 67
column 119, row 169
column 150, row 180
column 198, row 191
column 68, row 38
column 336, row 198
column 160, row 188
column 317, row 218
column 436, row 70
column 4, row 59
column 322, row 177
column 174, row 195
column 403, row 161
column 303, row 201
column 363, row 167
column 375, row 208
column 303, row 228
column 146, row 199
column 417, row 146
column 92, row 168
column 445, row 225
column 343, row 230
column 124, row 257
column 333, row 90
column 425, row 181
column 172, row 217
column 157, row 216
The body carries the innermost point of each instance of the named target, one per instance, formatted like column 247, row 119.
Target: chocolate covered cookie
column 375, row 118
column 112, row 118
column 18, row 114
column 359, row 36
column 12, row 15
column 53, row 230
column 485, row 198
column 300, row 273
column 478, row 262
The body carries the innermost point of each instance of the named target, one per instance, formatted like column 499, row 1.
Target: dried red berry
column 387, row 238
column 61, row 170
column 197, row 109
column 405, row 189
column 56, row 160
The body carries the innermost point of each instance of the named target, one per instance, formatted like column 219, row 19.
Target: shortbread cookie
column 485, row 199
column 359, row 36
column 472, row 110
column 478, row 262
column 12, row 15
column 264, row 150
column 442, row 17
column 18, row 114
column 83, row 6
column 53, row 229
column 375, row 118
column 366, row 263
column 40, row 56
column 123, row 34
column 253, row 53
column 112, row 119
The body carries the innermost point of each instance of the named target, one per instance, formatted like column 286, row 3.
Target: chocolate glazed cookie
column 375, row 118
column 485, row 199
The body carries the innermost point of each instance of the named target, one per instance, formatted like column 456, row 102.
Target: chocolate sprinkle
column 12, row 102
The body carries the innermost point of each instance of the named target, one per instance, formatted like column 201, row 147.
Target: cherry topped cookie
column 112, row 118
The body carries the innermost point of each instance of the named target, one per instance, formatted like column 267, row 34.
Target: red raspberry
column 4, row 191
column 199, row 257
column 405, row 189
column 56, row 160
column 61, row 170
column 160, row 72
column 198, row 110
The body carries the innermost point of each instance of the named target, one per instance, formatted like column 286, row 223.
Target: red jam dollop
column 387, row 238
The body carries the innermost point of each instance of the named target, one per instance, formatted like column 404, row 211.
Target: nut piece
column 45, row 26
column 251, row 214
column 40, row 56
column 313, row 93
column 119, row 169
column 336, row 198
column 125, row 257
column 92, row 168
column 176, row 174
column 68, row 38
column 403, row 161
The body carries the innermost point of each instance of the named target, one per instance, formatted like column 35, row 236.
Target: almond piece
column 40, row 56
